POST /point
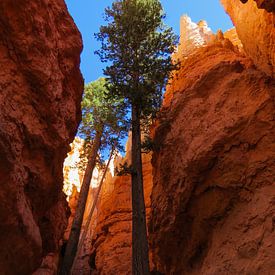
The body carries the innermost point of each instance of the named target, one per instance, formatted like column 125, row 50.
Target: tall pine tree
column 138, row 47
column 102, row 126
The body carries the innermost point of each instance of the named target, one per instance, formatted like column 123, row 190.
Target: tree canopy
column 139, row 46
column 102, row 113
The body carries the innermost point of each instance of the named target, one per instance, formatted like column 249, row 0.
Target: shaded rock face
column 41, row 89
column 112, row 241
column 268, row 5
column 213, row 196
column 255, row 28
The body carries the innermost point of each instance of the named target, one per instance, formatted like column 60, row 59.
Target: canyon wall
column 256, row 30
column 41, row 88
column 213, row 196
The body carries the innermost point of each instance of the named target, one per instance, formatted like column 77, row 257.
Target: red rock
column 268, row 5
column 41, row 89
column 255, row 28
column 232, row 35
column 213, row 177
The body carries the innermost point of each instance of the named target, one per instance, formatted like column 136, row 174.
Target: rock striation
column 255, row 28
column 213, row 196
column 41, row 87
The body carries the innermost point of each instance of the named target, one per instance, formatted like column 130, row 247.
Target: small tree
column 103, row 124
column 139, row 46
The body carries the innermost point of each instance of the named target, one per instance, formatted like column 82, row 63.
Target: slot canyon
column 209, row 184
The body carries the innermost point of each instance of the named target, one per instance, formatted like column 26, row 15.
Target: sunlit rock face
column 40, row 96
column 192, row 36
column 212, row 209
column 73, row 176
column 73, row 172
column 255, row 28
column 232, row 35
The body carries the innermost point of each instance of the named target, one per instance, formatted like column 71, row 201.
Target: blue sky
column 87, row 15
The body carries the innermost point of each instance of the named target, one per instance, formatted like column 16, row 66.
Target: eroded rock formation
column 41, row 89
column 232, row 35
column 256, row 30
column 213, row 196
column 192, row 36
column 268, row 5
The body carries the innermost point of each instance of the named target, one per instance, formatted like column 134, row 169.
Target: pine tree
column 102, row 126
column 138, row 47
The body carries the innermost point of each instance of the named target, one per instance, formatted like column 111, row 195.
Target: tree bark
column 140, row 258
column 72, row 243
column 87, row 225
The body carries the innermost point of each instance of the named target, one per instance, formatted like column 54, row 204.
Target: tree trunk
column 72, row 243
column 87, row 225
column 140, row 259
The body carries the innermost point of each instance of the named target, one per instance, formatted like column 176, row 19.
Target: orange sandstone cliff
column 213, row 197
column 107, row 246
column 41, row 89
column 256, row 30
